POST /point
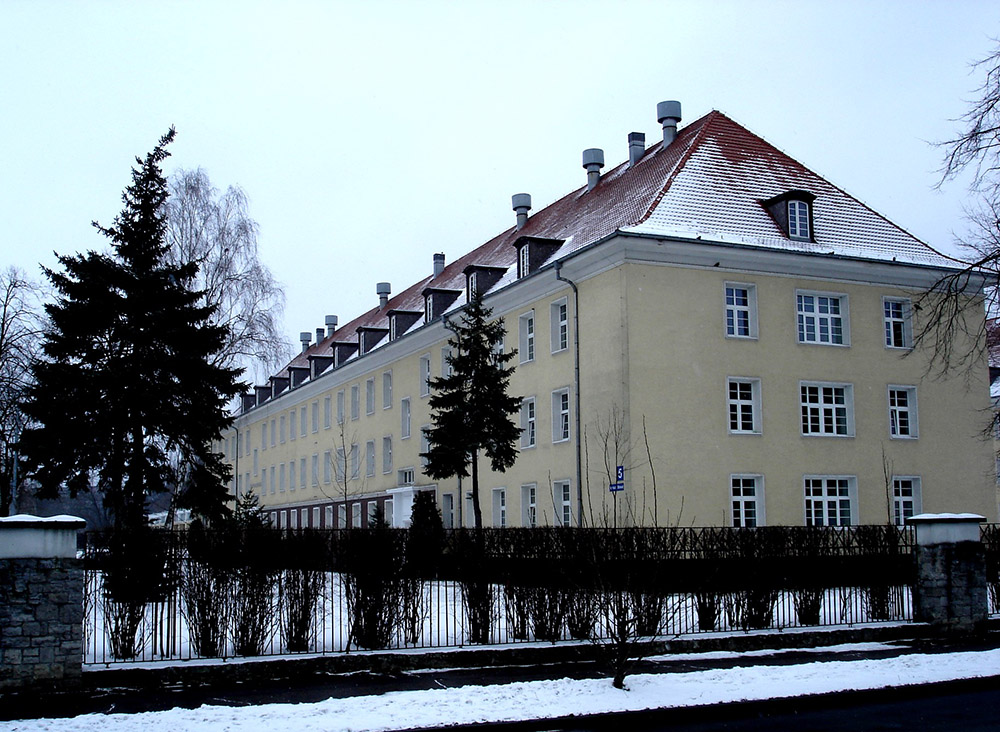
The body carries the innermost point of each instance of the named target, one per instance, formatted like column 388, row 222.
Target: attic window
column 522, row 261
column 798, row 220
column 472, row 285
column 792, row 211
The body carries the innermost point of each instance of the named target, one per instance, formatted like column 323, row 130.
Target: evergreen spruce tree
column 471, row 411
column 125, row 396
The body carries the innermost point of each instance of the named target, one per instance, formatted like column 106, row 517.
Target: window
column 327, row 412
column 272, row 480
column 327, row 517
column 328, row 466
column 315, row 416
column 896, row 314
column 560, row 415
column 302, row 422
column 370, row 396
column 302, row 473
column 355, row 462
column 830, row 501
column 291, row 475
column 747, row 492
column 526, row 332
column 500, row 507
column 283, row 521
column 473, row 284
column 529, row 508
column 425, row 375
column 263, row 436
column 522, row 261
column 292, row 424
column 387, row 511
column 282, row 430
column 405, row 477
column 560, row 326
column 903, row 411
column 355, row 401
column 562, row 495
column 528, row 422
column 404, row 413
column 315, row 467
column 425, row 445
column 798, row 220
column 342, row 516
column 274, row 433
column 370, row 458
column 905, row 498
column 744, row 406
column 356, row 515
column 448, row 510
column 315, row 517
column 445, row 366
column 827, row 409
column 256, row 463
column 341, row 465
column 387, row 454
column 387, row 390
column 340, row 407
column 822, row 318
column 281, row 478
column 741, row 310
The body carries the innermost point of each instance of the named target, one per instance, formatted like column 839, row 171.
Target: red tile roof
column 710, row 183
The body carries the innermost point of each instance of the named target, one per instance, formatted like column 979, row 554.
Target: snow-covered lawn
column 545, row 699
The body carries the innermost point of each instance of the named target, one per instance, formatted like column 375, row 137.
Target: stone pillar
column 41, row 602
column 950, row 591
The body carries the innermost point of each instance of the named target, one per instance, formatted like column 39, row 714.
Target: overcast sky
column 369, row 135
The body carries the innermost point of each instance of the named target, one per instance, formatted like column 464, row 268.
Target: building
column 732, row 329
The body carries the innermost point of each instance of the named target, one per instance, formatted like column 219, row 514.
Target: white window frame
column 388, row 508
column 356, row 515
column 798, row 220
column 529, row 423
column 500, row 507
column 523, row 261
column 562, row 498
column 370, row 459
column 445, row 366
column 448, row 510
column 405, row 476
column 559, row 324
column 341, row 407
column 342, row 516
column 315, row 416
column 256, row 462
column 272, row 480
column 327, row 412
column 831, row 499
column 355, row 461
column 425, row 444
column 816, row 324
column 327, row 517
column 740, row 316
column 897, row 319
column 341, row 468
column 282, row 429
column 291, row 475
column 386, row 454
column 302, row 473
column 292, row 425
column 906, row 498
column 386, row 390
column 425, row 375
column 303, row 417
column 281, row 478
column 561, row 416
column 404, row 418
column 746, row 497
column 529, row 505
column 526, row 336
column 739, row 404
column 824, row 412
column 315, row 466
column 370, row 395
column 903, row 418
column 274, row 432
column 263, row 435
column 355, row 401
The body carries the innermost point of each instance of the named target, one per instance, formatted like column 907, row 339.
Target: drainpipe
column 576, row 388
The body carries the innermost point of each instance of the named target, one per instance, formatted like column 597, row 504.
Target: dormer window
column 792, row 211
column 472, row 285
column 522, row 261
column 533, row 252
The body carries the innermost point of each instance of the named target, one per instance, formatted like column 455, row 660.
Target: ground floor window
column 747, row 494
column 905, row 498
column 831, row 500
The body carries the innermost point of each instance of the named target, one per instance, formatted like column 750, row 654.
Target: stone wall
column 41, row 622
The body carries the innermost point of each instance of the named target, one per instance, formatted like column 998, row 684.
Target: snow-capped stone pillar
column 950, row 590
column 41, row 602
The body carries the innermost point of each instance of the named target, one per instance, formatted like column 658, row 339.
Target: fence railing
column 180, row 595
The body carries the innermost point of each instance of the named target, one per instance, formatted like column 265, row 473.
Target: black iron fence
column 161, row 595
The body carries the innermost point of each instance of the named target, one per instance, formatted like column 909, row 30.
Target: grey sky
column 369, row 135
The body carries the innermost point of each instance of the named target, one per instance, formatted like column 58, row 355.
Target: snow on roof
column 710, row 183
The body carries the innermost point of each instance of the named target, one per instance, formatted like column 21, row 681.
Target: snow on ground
column 541, row 699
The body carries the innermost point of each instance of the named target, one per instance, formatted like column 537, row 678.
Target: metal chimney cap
column 383, row 288
column 520, row 200
column 636, row 138
column 593, row 156
column 331, row 321
column 305, row 336
column 668, row 110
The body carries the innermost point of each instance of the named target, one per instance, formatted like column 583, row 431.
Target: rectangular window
column 315, row 467
column 327, row 517
column 370, row 458
column 341, row 464
column 302, row 473
column 560, row 415
column 256, row 463
column 272, row 480
column 822, row 318
column 798, row 220
column 528, row 422
column 425, row 445
column 355, row 401
column 386, row 454
column 445, row 365
column 283, row 521
column 370, row 396
column 897, row 316
column 340, row 407
column 282, row 430
column 327, row 412
column 404, row 414
column 562, row 496
column 355, row 462
column 744, row 405
column 903, row 411
column 500, row 507
column 291, row 475
column 405, row 477
column 448, row 510
column 827, row 409
column 529, row 507
column 387, row 390
column 830, row 500
column 387, row 511
column 302, row 422
column 281, row 477
column 526, row 336
column 747, row 494
column 741, row 310
column 263, row 436
column 905, row 498
column 523, row 261
column 425, row 375
column 328, row 466
column 274, row 432
column 559, row 326
column 342, row 516
column 372, row 513
column 315, row 416
column 292, row 425
column 356, row 515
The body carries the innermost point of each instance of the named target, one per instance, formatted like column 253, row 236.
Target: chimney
column 636, row 147
column 521, row 203
column 331, row 325
column 382, row 289
column 305, row 336
column 438, row 264
column 319, row 335
column 668, row 114
column 593, row 161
